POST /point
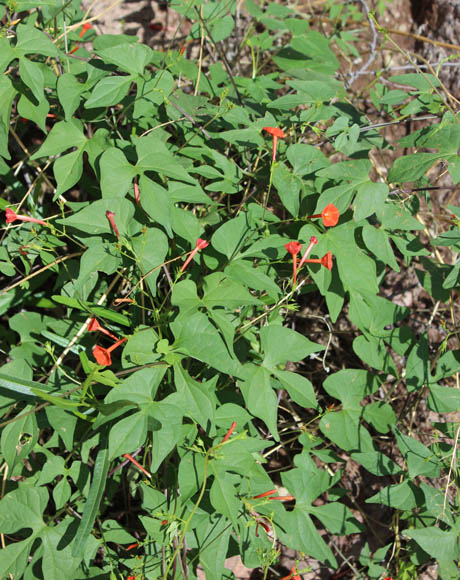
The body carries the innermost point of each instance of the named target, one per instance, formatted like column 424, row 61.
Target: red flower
column 94, row 326
column 102, row 355
column 136, row 463
column 111, row 217
column 294, row 248
column 275, row 133
column 283, row 497
column 137, row 195
column 266, row 493
column 86, row 26
column 200, row 245
column 229, row 432
column 264, row 523
column 330, row 215
column 325, row 261
column 131, row 546
column 12, row 216
column 292, row 575
column 313, row 241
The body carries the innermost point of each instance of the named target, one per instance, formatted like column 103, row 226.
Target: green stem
column 189, row 519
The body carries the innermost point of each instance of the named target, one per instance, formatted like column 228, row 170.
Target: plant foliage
column 167, row 358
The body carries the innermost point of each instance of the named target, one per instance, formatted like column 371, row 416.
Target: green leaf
column 101, row 468
column 299, row 388
column 260, row 398
column 67, row 170
column 18, row 438
column 380, row 415
column 448, row 365
column 377, row 463
column 62, row 136
column 302, row 535
column 57, row 554
column 99, row 258
column 169, row 416
column 372, row 351
column 129, row 57
column 432, row 279
column 378, row 242
column 33, row 111
column 420, row 460
column 31, row 40
column 150, row 249
column 439, row 544
column 308, row 52
column 18, row 388
column 337, row 518
column 403, row 496
column 186, row 225
column 153, row 155
column 116, row 173
column 412, row 167
column 7, row 54
column 213, row 547
column 197, row 399
column 230, row 236
column 370, row 198
column 243, row 272
column 453, row 279
column 282, row 345
column 223, row 496
column 288, row 186
column 210, row 349
column 443, row 399
column 32, row 76
column 92, row 218
column 222, row 291
column 156, row 202
column 98, row 311
column 128, row 435
column 69, row 92
column 21, row 509
column 346, row 431
column 109, row 91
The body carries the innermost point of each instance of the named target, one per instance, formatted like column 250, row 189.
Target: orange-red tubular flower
column 132, row 546
column 283, row 497
column 94, row 326
column 292, row 575
column 276, row 134
column 102, row 355
column 111, row 217
column 264, row 523
column 200, row 245
column 137, row 194
column 313, row 241
column 330, row 215
column 266, row 493
column 325, row 261
column 294, row 248
column 229, row 432
column 137, row 464
column 86, row 26
column 12, row 216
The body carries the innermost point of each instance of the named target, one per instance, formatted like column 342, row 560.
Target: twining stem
column 189, row 519
column 267, row 195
